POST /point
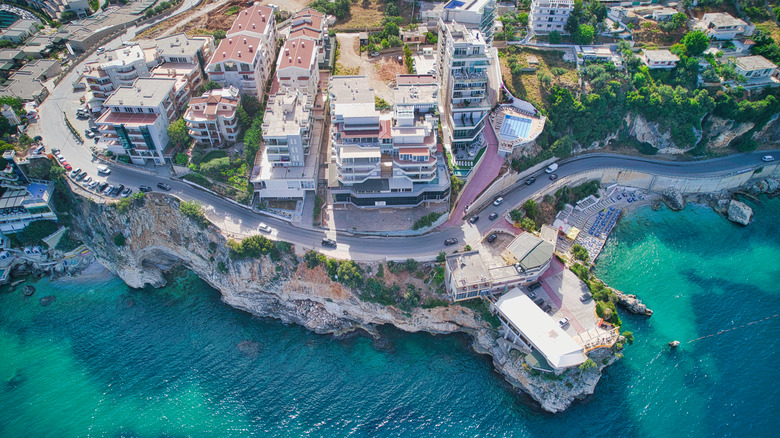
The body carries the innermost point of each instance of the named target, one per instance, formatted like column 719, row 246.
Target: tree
column 695, row 43
column 211, row 85
column 554, row 37
column 439, row 258
column 408, row 59
column 522, row 18
column 194, row 211
column 251, row 105
column 181, row 159
column 68, row 16
column 516, row 215
column 391, row 29
column 579, row 252
column 431, row 38
column 177, row 133
column 119, row 240
column 597, row 10
column 36, row 231
column 531, row 209
column 585, row 35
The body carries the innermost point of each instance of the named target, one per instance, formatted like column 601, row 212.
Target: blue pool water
column 514, row 127
column 454, row 4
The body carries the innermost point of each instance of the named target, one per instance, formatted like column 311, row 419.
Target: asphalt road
column 239, row 221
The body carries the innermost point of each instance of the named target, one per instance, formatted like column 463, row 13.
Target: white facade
column 661, row 59
column 478, row 14
column 136, row 120
column 722, row 26
column 118, row 68
column 549, row 15
column 296, row 68
column 211, row 118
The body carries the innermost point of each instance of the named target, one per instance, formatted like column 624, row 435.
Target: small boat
column 674, row 344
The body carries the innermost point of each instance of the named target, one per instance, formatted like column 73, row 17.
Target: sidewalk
column 481, row 177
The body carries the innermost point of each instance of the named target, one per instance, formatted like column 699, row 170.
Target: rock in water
column 45, row 301
column 740, row 212
column 674, row 199
column 28, row 290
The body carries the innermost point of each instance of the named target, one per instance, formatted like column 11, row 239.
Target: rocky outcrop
column 158, row 238
column 721, row 132
column 673, row 199
column 764, row 186
column 633, row 304
column 739, row 212
column 769, row 135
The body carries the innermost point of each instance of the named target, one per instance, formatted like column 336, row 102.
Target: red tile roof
column 297, row 52
column 305, row 32
column 309, row 11
column 254, row 19
column 229, row 49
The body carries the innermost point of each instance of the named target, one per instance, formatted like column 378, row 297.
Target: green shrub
column 442, row 257
column 411, row 265
column 580, row 253
column 426, row 221
column 629, row 337
column 376, row 291
column 251, row 247
column 588, row 364
column 581, row 271
column 430, row 303
column 36, row 231
column 314, row 259
column 119, row 240
column 194, row 211
column 480, row 307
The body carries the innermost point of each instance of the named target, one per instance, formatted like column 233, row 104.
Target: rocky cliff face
column 158, row 238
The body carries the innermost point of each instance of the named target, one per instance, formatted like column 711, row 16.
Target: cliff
column 157, row 238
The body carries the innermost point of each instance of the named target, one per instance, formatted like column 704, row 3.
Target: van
column 552, row 168
column 104, row 170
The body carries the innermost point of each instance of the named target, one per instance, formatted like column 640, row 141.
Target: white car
column 104, row 170
column 85, row 182
column 498, row 201
column 264, row 228
column 564, row 322
column 767, row 158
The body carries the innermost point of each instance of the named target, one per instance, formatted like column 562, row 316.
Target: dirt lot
column 369, row 14
column 219, row 19
column 380, row 70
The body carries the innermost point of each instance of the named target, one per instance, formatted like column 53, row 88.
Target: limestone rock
column 772, row 185
column 674, row 199
column 740, row 212
column 631, row 303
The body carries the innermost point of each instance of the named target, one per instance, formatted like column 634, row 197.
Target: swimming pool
column 454, row 4
column 514, row 127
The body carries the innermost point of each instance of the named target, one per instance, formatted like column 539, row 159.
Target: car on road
column 126, row 192
column 564, row 322
column 89, row 133
column 450, row 241
column 100, row 50
column 474, row 220
column 163, row 186
column 329, row 243
column 104, row 170
column 530, row 180
column 145, row 189
column 493, row 216
column 264, row 228
column 374, row 54
column 535, row 285
column 551, row 168
column 66, row 165
column 553, row 176
column 498, row 201
column 767, row 158
column 492, row 237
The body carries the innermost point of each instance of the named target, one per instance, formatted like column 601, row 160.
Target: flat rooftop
column 180, row 44
column 750, row 63
column 149, row 92
column 466, row 5
column 467, row 268
column 416, row 94
column 530, row 251
column 350, row 89
column 286, row 115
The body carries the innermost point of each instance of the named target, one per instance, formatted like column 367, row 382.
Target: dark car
column 546, row 308
column 493, row 216
column 116, row 190
column 553, row 176
column 539, row 302
column 535, row 285
column 492, row 237
column 329, row 243
column 530, row 180
column 145, row 189
column 102, row 186
column 126, row 192
column 163, row 186
column 474, row 220
column 451, row 241
column 531, row 295
column 584, row 298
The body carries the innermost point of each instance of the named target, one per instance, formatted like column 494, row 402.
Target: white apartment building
column 118, row 68
column 23, row 200
column 211, row 118
column 381, row 160
column 287, row 170
column 243, row 59
column 296, row 68
column 477, row 14
column 57, row 7
column 757, row 70
column 549, row 15
column 463, row 72
column 136, row 120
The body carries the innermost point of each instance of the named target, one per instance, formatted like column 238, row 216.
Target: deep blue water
column 106, row 360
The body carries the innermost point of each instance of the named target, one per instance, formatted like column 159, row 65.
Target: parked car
column 163, row 186
column 493, row 216
column 584, row 298
column 81, row 175
column 535, row 285
column 55, row 151
column 498, row 201
column 104, row 170
column 264, row 228
column 108, row 190
column 531, row 295
column 126, row 192
column 329, row 242
column 546, row 308
column 492, row 237
column 39, row 150
column 89, row 133
column 100, row 187
column 100, row 50
column 66, row 165
column 75, row 172
column 145, row 189
column 553, row 176
column 564, row 322
column 374, row 54
column 539, row 302
column 59, row 157
column 86, row 181
column 767, row 158
column 115, row 191
column 474, row 220
column 530, row 180
column 451, row 241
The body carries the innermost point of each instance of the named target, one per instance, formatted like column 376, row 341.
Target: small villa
column 661, row 59
column 722, row 26
column 759, row 71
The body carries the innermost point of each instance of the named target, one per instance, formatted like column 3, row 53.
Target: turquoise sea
column 106, row 360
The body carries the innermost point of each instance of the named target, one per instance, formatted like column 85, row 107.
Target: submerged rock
column 740, row 212
column 45, row 301
column 674, row 199
column 28, row 290
column 249, row 348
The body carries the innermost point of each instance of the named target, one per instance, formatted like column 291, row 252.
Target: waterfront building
column 244, row 57
column 23, row 199
column 211, row 118
column 549, row 15
column 383, row 159
column 118, row 68
column 135, row 122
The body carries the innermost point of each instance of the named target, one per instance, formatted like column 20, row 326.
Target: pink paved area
column 555, row 268
column 504, row 224
column 481, row 177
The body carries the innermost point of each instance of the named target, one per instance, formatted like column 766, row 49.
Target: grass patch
column 427, row 220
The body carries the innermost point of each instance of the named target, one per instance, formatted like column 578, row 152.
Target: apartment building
column 465, row 86
column 312, row 24
column 20, row 30
column 135, row 122
column 118, row 68
column 183, row 58
column 757, row 70
column 382, row 159
column 23, row 199
column 478, row 14
column 243, row 58
column 296, row 67
column 549, row 15
column 287, row 168
column 56, row 7
column 211, row 118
